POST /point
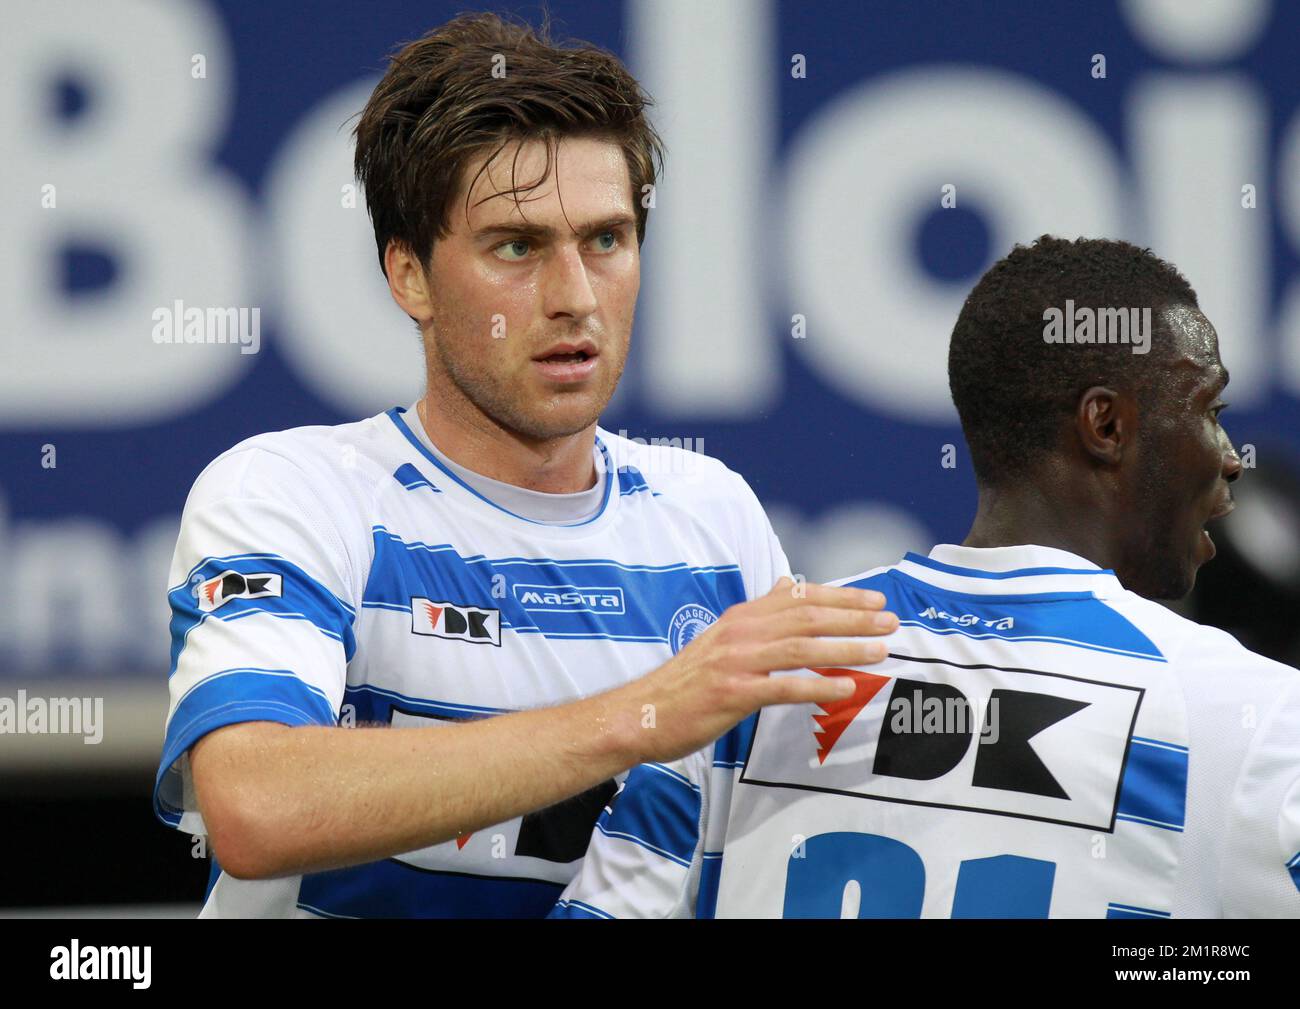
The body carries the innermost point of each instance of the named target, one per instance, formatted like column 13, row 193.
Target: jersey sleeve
column 646, row 851
column 656, row 851
column 1261, row 873
column 263, row 603
column 763, row 561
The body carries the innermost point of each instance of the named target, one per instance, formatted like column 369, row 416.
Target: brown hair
column 439, row 105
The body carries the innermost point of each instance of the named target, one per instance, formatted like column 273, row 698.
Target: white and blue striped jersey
column 344, row 575
column 1040, row 743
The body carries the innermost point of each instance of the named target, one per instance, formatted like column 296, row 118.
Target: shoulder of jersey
column 1188, row 643
column 1179, row 639
column 316, row 459
column 667, row 469
column 857, row 581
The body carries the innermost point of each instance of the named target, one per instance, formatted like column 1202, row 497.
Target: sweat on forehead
column 1190, row 344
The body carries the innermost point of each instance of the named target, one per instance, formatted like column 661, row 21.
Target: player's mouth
column 567, row 363
column 1206, row 543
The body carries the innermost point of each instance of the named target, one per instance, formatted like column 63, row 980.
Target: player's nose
column 1232, row 465
column 566, row 285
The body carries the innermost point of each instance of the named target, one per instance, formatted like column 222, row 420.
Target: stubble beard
column 501, row 404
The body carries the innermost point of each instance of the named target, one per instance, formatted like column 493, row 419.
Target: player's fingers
column 817, row 621
column 803, row 689
column 805, row 653
column 787, row 593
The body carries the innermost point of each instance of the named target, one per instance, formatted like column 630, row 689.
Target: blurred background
column 838, row 176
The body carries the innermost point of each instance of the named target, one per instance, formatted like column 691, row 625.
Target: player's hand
column 723, row 675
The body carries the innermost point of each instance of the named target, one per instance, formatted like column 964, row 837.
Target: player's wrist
column 621, row 717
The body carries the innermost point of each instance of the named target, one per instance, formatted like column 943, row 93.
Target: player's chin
column 560, row 414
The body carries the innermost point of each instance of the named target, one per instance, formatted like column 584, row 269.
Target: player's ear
column 407, row 281
column 1105, row 422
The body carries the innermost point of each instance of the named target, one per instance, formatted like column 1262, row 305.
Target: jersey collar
column 466, row 494
column 1011, row 570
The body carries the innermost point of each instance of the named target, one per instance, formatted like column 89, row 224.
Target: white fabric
column 1131, row 696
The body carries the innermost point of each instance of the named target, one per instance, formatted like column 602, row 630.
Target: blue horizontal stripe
column 630, row 480
column 1146, row 822
column 1154, row 789
column 623, row 835
column 226, row 698
column 1066, row 642
column 393, row 889
column 578, row 909
column 375, row 704
column 953, row 569
column 301, row 598
column 411, row 478
column 1158, row 742
column 678, row 777
column 657, row 809
column 550, row 561
column 1076, row 619
column 649, row 596
column 629, row 638
column 228, row 557
column 1125, row 911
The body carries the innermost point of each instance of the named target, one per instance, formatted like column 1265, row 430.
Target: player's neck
column 468, row 438
column 1025, row 515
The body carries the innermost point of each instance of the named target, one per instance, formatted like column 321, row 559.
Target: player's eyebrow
column 524, row 229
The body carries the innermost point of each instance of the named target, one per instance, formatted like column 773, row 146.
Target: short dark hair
column 439, row 105
column 1011, row 387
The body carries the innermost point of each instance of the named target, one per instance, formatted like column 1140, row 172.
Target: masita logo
column 571, row 598
column 216, row 592
column 457, row 621
column 76, row 962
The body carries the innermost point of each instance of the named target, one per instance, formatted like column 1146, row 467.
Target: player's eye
column 513, row 251
column 606, row 246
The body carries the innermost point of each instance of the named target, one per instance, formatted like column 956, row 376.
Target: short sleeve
column 263, row 610
column 763, row 561
column 1261, row 875
column 646, row 852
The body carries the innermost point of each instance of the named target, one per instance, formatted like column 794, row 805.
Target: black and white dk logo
column 457, row 621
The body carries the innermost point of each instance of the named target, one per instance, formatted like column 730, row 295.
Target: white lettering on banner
column 135, row 173
column 710, row 71
column 1220, row 125
column 1179, row 31
column 337, row 324
column 871, row 162
column 140, row 178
